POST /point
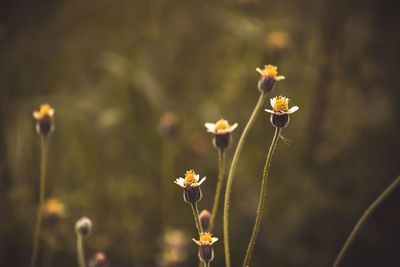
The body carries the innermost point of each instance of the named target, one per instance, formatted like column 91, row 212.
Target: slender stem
column 80, row 250
column 43, row 165
column 232, row 169
column 208, row 264
column 261, row 202
column 221, row 165
column 195, row 209
column 364, row 217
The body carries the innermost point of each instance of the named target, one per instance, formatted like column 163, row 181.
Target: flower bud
column 168, row 124
column 205, row 217
column 83, row 227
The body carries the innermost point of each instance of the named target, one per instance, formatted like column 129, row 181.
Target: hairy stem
column 364, row 217
column 261, row 201
column 232, row 169
column 43, row 165
column 221, row 167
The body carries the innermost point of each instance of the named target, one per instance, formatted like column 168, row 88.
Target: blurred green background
column 111, row 69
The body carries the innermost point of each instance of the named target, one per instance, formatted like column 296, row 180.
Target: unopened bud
column 205, row 217
column 192, row 194
column 98, row 260
column 280, row 121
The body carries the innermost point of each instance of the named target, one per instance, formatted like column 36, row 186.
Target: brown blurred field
column 111, row 69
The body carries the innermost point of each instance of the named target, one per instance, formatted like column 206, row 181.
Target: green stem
column 364, row 217
column 43, row 165
column 261, row 202
column 195, row 209
column 208, row 264
column 80, row 251
column 221, row 165
column 232, row 169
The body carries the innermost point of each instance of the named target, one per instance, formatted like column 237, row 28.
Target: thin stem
column 43, row 165
column 364, row 217
column 195, row 209
column 261, row 202
column 232, row 169
column 208, row 264
column 221, row 165
column 80, row 251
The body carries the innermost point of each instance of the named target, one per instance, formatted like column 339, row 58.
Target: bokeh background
column 112, row 69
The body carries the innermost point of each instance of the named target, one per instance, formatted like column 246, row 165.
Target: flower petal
column 293, row 109
column 233, row 127
column 270, row 111
column 279, row 78
column 210, row 127
column 197, row 242
column 272, row 101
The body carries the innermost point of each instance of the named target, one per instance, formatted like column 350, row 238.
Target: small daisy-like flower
column 53, row 209
column 44, row 117
column 221, row 130
column 191, row 186
column 206, row 252
column 268, row 77
column 280, row 111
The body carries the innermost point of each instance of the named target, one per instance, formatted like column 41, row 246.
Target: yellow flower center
column 270, row 70
column 222, row 125
column 281, row 104
column 205, row 237
column 190, row 178
column 44, row 111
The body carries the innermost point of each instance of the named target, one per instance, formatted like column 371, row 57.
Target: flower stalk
column 261, row 202
column 221, row 167
column 43, row 166
column 195, row 209
column 231, row 173
column 364, row 218
column 80, row 250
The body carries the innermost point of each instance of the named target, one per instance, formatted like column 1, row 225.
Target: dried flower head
column 221, row 130
column 280, row 111
column 191, row 186
column 44, row 117
column 268, row 77
column 205, row 242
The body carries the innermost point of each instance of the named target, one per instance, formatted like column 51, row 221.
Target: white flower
column 191, row 180
column 220, row 127
column 280, row 106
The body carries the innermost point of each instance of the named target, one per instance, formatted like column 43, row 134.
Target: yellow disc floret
column 44, row 110
column 281, row 104
column 205, row 237
column 269, row 70
column 190, row 178
column 222, row 125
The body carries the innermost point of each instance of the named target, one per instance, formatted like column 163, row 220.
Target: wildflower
column 83, row 226
column 44, row 117
column 268, row 77
column 221, row 130
column 53, row 209
column 191, row 186
column 168, row 124
column 206, row 252
column 280, row 111
column 205, row 217
column 99, row 259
